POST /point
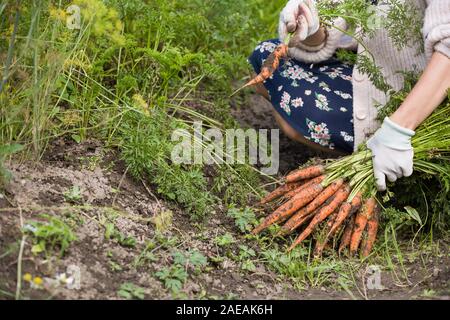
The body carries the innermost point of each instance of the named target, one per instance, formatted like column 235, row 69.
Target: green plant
column 130, row 291
column 245, row 256
column 224, row 240
column 147, row 255
column 297, row 266
column 74, row 194
column 114, row 266
column 176, row 275
column 50, row 234
column 147, row 150
column 6, row 151
column 112, row 233
column 244, row 219
column 192, row 258
column 173, row 277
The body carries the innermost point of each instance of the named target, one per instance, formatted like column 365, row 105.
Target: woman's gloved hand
column 392, row 153
column 301, row 17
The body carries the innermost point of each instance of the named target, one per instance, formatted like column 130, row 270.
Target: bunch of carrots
column 337, row 200
column 309, row 198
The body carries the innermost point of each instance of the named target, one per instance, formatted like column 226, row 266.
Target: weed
column 224, row 240
column 167, row 242
column 176, row 275
column 302, row 270
column 145, row 257
column 190, row 259
column 74, row 194
column 163, row 220
column 244, row 219
column 112, row 233
column 428, row 293
column 114, row 266
column 6, row 151
column 248, row 265
column 245, row 255
column 91, row 162
column 125, row 241
column 130, row 291
column 173, row 277
column 147, row 153
column 50, row 234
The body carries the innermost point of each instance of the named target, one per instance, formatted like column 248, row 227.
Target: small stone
column 193, row 287
column 208, row 278
column 236, row 276
column 260, row 269
column 278, row 288
column 436, row 271
column 227, row 264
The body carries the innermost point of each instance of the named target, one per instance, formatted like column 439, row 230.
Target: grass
column 113, row 81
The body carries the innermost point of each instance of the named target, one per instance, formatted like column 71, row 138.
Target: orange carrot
column 287, row 209
column 322, row 214
column 305, row 173
column 269, row 66
column 278, row 192
column 292, row 223
column 285, row 231
column 363, row 215
column 372, row 228
column 331, row 219
column 308, row 183
column 347, row 235
column 344, row 211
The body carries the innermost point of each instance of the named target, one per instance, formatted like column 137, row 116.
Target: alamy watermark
column 373, row 281
column 231, row 146
column 73, row 19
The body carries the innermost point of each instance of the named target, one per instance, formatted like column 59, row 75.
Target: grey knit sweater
column 436, row 37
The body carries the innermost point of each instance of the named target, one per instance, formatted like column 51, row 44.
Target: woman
column 324, row 103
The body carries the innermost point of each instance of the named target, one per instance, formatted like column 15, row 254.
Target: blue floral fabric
column 315, row 99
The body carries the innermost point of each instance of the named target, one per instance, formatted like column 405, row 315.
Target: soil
column 109, row 194
column 258, row 114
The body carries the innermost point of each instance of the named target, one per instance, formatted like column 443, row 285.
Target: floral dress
column 314, row 99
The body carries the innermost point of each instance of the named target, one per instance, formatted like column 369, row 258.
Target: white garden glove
column 392, row 153
column 300, row 16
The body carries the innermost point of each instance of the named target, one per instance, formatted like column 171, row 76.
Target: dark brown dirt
column 108, row 194
column 258, row 114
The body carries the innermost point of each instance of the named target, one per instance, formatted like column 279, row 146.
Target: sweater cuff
column 324, row 51
column 443, row 47
column 436, row 27
column 438, row 40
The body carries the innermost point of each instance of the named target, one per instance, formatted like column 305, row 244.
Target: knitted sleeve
column 324, row 51
column 436, row 28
